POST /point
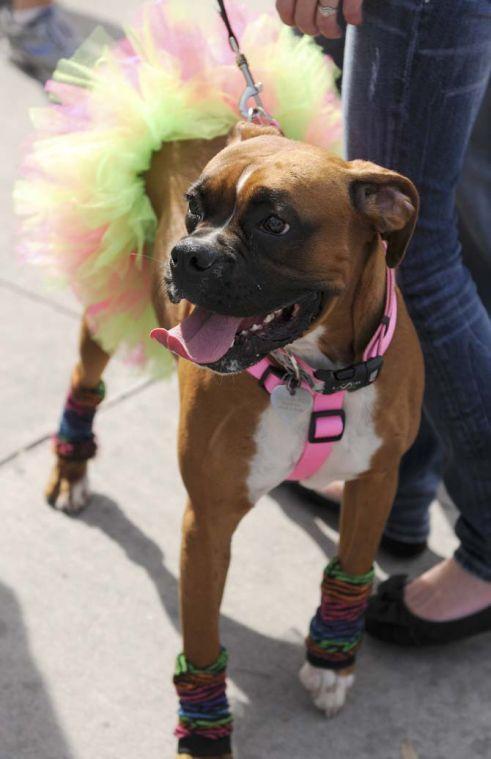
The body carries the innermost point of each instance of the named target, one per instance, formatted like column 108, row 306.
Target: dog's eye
column 274, row 226
column 193, row 206
column 194, row 214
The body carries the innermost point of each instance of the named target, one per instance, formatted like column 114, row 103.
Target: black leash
column 231, row 36
column 256, row 112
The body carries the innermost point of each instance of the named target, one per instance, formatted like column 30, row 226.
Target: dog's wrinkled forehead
column 274, row 168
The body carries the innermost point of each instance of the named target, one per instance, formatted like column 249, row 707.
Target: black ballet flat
column 401, row 550
column 389, row 619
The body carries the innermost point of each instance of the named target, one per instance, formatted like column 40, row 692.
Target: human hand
column 307, row 16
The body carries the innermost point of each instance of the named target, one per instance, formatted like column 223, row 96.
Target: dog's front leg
column 337, row 628
column 205, row 722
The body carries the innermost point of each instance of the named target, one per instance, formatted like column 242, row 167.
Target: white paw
column 327, row 687
column 74, row 496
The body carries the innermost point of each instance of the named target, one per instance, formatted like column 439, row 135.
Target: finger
column 305, row 15
column 352, row 10
column 328, row 25
column 286, row 11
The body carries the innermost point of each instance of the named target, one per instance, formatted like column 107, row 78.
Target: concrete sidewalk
column 88, row 606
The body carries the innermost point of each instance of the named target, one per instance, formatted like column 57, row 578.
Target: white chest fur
column 279, row 441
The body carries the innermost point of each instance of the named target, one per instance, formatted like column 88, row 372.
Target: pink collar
column 323, row 391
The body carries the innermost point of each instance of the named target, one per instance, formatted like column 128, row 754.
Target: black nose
column 193, row 256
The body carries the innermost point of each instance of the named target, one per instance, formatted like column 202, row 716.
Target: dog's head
column 276, row 229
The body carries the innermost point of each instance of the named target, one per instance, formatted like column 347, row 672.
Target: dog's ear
column 389, row 202
column 246, row 130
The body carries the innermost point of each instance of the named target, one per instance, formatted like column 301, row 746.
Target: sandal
column 389, row 619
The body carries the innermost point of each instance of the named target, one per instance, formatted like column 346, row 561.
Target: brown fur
column 219, row 414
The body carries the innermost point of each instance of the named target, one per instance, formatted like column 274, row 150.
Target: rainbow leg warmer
column 337, row 628
column 75, row 440
column 205, row 721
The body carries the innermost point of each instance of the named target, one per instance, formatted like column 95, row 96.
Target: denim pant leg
column 420, row 474
column 421, row 467
column 414, row 76
column 474, row 202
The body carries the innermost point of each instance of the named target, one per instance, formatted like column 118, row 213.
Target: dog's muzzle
column 240, row 314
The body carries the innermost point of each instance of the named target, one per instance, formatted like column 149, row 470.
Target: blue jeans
column 414, row 76
column 422, row 467
column 474, row 202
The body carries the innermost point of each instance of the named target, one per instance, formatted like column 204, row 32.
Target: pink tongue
column 204, row 337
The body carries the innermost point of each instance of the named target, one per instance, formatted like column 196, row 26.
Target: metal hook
column 252, row 89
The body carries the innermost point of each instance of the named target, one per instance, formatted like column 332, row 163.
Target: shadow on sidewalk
column 274, row 715
column 264, row 668
column 308, row 508
column 28, row 724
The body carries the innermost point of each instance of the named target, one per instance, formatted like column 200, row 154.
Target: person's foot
column 334, row 491
column 38, row 44
column 457, row 608
column 444, row 605
column 446, row 592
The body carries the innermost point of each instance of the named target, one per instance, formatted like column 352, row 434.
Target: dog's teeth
column 269, row 318
column 255, row 327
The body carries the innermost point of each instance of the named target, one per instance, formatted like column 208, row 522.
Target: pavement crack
column 38, row 298
column 115, row 401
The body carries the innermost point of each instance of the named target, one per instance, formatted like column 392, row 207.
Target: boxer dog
column 274, row 245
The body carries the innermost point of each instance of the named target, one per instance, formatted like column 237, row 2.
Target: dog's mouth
column 229, row 344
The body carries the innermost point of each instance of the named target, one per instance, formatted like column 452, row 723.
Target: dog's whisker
column 144, row 255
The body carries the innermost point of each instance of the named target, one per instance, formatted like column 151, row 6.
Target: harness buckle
column 350, row 378
column 270, row 369
column 315, row 415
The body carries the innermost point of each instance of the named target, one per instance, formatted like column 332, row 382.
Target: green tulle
column 86, row 216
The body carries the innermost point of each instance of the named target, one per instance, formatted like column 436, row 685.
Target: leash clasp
column 252, row 91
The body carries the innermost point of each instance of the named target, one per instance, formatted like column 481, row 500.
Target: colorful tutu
column 85, row 215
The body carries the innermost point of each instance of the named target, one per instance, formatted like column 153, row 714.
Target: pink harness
column 327, row 418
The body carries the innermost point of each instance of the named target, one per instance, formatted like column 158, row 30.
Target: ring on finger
column 327, row 10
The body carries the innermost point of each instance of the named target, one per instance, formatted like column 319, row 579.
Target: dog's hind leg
column 337, row 628
column 67, row 488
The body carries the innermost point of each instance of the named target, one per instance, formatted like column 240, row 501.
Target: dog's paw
column 68, row 491
column 74, row 496
column 328, row 688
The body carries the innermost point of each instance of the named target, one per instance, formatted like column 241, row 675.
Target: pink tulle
column 64, row 235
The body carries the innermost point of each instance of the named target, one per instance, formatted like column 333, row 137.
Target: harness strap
column 327, row 418
column 383, row 334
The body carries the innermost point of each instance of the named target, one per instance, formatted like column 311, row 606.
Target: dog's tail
column 83, row 196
